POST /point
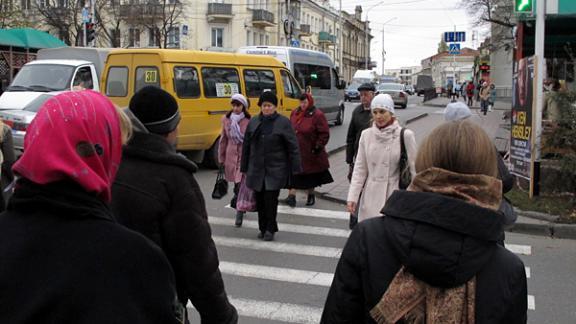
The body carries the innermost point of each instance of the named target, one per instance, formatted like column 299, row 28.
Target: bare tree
column 108, row 20
column 442, row 46
column 499, row 14
column 160, row 17
column 65, row 16
column 12, row 15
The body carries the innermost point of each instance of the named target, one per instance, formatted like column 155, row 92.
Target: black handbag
column 221, row 185
column 403, row 165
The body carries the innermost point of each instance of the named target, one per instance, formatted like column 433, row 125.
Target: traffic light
column 90, row 32
column 523, row 6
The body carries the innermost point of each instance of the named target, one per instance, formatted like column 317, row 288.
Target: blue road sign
column 454, row 37
column 85, row 15
column 295, row 43
column 454, row 49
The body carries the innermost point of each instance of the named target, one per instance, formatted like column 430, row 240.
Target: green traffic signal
column 523, row 6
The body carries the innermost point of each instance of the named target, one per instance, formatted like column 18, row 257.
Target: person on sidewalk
column 361, row 119
column 376, row 171
column 434, row 257
column 470, row 93
column 234, row 125
column 270, row 155
column 313, row 134
column 459, row 111
column 156, row 194
column 492, row 98
column 63, row 256
column 484, row 97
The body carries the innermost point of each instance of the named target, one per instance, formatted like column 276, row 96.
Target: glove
column 350, row 171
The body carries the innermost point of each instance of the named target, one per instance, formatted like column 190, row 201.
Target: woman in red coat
column 313, row 134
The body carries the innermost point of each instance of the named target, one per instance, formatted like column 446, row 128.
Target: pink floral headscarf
column 74, row 136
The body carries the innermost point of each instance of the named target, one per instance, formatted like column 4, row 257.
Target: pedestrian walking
column 7, row 159
column 459, row 111
column 434, row 258
column 234, row 125
column 484, row 97
column 470, row 92
column 361, row 119
column 492, row 98
column 63, row 256
column 156, row 194
column 376, row 171
column 313, row 133
column 270, row 155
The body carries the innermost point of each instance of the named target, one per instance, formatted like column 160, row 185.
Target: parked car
column 396, row 90
column 352, row 93
column 20, row 119
column 410, row 89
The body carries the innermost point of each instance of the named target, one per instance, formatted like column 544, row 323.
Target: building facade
column 445, row 68
column 406, row 74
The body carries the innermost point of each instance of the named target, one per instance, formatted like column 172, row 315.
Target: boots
column 239, row 218
column 311, row 200
column 268, row 236
column 290, row 200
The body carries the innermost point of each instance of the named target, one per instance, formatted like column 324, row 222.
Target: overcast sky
column 415, row 32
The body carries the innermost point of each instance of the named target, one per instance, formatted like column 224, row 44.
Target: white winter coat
column 376, row 172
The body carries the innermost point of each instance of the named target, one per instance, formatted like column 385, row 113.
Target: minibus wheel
column 340, row 117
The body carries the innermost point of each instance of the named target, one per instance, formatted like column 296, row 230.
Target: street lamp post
column 383, row 49
column 366, row 32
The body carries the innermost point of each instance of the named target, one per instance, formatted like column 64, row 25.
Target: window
column 291, row 88
column 257, row 81
column 153, row 37
column 115, row 37
column 267, row 40
column 220, row 82
column 173, row 37
column 25, row 4
column 146, row 76
column 248, row 38
column 117, row 82
column 83, row 78
column 217, row 37
column 315, row 76
column 261, row 39
column 186, row 84
column 133, row 37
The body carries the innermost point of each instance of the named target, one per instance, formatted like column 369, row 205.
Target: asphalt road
column 286, row 281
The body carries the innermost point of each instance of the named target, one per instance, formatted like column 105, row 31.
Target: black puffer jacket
column 269, row 156
column 64, row 259
column 360, row 121
column 155, row 193
column 442, row 241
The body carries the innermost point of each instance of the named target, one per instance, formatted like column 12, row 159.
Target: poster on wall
column 521, row 134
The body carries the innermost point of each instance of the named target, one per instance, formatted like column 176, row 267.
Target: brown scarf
column 414, row 301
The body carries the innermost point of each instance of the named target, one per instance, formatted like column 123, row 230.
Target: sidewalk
column 443, row 101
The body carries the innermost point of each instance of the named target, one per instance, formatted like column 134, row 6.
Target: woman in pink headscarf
column 64, row 258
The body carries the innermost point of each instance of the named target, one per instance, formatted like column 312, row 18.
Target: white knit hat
column 241, row 99
column 383, row 101
column 456, row 111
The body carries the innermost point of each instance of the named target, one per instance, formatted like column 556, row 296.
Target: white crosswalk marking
column 277, row 274
column 531, row 303
column 275, row 246
column 311, row 212
column 519, row 249
column 302, row 229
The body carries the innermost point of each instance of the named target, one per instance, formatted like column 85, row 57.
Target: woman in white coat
column 376, row 169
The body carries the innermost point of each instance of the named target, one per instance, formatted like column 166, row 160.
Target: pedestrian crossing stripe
column 311, row 212
column 280, row 247
column 519, row 249
column 531, row 302
column 314, row 278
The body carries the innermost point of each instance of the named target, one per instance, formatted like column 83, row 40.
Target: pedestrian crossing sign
column 454, row 49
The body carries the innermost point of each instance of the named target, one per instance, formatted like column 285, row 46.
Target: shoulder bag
column 403, row 165
column 221, row 185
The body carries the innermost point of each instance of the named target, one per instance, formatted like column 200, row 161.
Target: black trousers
column 267, row 204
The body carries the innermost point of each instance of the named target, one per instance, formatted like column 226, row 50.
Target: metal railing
column 262, row 15
column 224, row 9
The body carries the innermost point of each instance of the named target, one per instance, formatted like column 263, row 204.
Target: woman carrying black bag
column 269, row 154
column 221, row 186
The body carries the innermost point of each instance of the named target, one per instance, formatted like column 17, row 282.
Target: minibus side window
column 315, row 76
column 256, row 81
column 117, row 81
column 186, row 83
column 291, row 88
column 146, row 76
column 220, row 82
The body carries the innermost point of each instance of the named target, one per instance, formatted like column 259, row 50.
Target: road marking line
column 277, row 274
column 274, row 311
column 311, row 212
column 320, row 251
column 531, row 302
column 302, row 229
column 519, row 249
column 528, row 273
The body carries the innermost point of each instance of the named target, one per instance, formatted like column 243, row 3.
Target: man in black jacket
column 155, row 193
column 360, row 120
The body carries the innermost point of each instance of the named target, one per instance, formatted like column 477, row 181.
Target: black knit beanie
column 268, row 96
column 156, row 109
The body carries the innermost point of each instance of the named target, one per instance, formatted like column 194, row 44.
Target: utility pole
column 383, row 51
column 454, row 65
column 538, row 96
column 288, row 19
column 340, row 41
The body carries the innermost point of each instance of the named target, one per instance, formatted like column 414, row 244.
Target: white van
column 313, row 70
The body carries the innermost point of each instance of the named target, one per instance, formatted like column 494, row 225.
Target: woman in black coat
column 269, row 155
column 63, row 257
column 434, row 257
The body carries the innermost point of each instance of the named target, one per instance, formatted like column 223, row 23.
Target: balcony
column 219, row 12
column 141, row 11
column 305, row 30
column 262, row 18
column 326, row 38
